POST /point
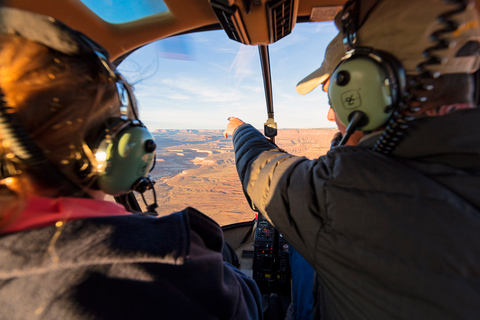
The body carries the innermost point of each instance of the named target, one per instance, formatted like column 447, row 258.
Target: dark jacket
column 391, row 237
column 124, row 267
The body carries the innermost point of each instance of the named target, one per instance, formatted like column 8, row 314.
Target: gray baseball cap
column 404, row 29
column 408, row 28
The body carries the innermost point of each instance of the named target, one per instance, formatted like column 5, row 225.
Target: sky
column 196, row 81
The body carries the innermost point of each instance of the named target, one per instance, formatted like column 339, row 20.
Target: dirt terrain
column 197, row 168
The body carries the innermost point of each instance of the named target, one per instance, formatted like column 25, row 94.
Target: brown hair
column 58, row 99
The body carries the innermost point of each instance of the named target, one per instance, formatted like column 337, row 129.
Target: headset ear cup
column 128, row 157
column 122, row 154
column 369, row 83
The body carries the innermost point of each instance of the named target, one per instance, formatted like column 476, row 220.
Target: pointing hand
column 232, row 125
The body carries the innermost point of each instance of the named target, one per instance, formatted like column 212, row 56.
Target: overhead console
column 256, row 22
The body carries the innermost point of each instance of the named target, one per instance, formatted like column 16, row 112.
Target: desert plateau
column 197, row 168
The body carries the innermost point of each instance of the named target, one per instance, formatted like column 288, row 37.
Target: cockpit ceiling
column 153, row 20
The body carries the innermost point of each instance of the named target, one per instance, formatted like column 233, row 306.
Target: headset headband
column 351, row 20
column 350, row 16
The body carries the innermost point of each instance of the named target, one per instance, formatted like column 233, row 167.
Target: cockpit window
column 120, row 11
column 196, row 81
column 187, row 86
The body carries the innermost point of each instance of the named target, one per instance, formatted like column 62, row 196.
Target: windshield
column 121, row 11
column 187, row 86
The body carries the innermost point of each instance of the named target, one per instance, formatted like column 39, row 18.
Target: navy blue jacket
column 124, row 267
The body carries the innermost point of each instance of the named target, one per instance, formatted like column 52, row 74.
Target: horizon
column 206, row 129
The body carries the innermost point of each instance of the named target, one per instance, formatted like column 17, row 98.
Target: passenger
column 390, row 226
column 64, row 252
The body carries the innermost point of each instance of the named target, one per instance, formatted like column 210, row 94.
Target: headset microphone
column 357, row 118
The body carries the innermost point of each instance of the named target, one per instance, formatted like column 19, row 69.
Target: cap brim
column 333, row 55
column 311, row 81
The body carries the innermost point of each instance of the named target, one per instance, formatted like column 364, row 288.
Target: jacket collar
column 452, row 138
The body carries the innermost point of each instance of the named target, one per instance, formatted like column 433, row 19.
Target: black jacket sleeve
column 285, row 188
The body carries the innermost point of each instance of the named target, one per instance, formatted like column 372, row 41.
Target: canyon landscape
column 197, row 168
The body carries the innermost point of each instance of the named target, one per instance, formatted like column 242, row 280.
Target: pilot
column 390, row 225
column 70, row 135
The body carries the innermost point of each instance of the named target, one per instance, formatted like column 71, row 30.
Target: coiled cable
column 398, row 124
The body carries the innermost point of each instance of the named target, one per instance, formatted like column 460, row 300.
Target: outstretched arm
column 281, row 186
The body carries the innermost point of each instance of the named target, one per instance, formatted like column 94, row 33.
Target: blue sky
column 197, row 81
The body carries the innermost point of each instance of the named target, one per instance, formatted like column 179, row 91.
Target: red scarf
column 41, row 212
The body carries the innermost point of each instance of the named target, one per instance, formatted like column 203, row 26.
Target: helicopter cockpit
column 192, row 65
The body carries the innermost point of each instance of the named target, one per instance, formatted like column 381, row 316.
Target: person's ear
column 331, row 115
column 325, row 85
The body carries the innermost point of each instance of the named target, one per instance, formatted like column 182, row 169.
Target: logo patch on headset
column 351, row 99
column 146, row 166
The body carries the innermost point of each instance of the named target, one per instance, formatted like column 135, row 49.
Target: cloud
column 242, row 65
column 197, row 89
column 226, row 80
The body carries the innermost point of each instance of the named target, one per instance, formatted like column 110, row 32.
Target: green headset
column 123, row 155
column 366, row 87
column 122, row 151
column 129, row 157
column 368, row 90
